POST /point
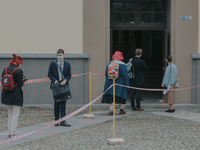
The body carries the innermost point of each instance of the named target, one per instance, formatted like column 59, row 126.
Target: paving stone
column 141, row 131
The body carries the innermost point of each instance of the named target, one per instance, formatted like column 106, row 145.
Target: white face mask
column 60, row 58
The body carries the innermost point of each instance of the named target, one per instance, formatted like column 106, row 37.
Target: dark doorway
column 141, row 24
column 152, row 42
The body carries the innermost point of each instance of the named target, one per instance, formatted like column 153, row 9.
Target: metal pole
column 90, row 90
column 113, row 108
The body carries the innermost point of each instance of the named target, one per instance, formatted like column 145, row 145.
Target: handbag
column 61, row 92
column 176, row 85
column 60, row 89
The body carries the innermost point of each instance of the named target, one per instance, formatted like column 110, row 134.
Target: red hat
column 118, row 56
column 16, row 60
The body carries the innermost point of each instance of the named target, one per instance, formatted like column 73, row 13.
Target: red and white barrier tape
column 77, row 75
column 58, row 121
column 146, row 89
column 47, row 79
column 98, row 73
column 37, row 80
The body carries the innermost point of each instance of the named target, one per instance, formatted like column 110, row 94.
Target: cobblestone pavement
column 31, row 116
column 141, row 131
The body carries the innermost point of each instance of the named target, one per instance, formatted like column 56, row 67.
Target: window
column 123, row 11
column 137, row 13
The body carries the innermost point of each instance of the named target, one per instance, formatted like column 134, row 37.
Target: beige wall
column 184, row 42
column 199, row 27
column 96, row 40
column 41, row 26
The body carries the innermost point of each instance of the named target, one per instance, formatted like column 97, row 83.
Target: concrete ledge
column 72, row 56
column 195, row 56
column 127, row 106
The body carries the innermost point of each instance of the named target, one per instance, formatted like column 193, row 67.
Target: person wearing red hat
column 14, row 98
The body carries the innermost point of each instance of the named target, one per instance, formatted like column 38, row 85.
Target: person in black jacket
column 55, row 76
column 139, row 68
column 14, row 99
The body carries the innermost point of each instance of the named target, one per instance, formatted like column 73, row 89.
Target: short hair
column 60, row 51
column 169, row 58
column 138, row 51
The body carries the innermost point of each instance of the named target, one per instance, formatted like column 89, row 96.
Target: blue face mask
column 60, row 58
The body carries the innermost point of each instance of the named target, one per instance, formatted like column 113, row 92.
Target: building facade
column 90, row 31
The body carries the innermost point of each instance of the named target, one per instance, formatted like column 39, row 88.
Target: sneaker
column 122, row 112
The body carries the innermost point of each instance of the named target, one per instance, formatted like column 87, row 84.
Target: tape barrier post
column 114, row 141
column 90, row 89
column 113, row 108
column 89, row 116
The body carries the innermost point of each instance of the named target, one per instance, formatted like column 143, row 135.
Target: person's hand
column 25, row 78
column 55, row 82
column 63, row 82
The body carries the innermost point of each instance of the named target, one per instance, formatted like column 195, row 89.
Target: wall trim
column 195, row 56
column 27, row 55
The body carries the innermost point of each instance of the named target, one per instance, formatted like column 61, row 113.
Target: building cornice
column 27, row 55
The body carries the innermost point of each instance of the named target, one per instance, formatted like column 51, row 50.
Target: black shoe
column 57, row 124
column 134, row 108
column 110, row 113
column 170, row 111
column 167, row 110
column 122, row 112
column 65, row 124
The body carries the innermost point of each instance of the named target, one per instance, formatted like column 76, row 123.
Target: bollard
column 114, row 141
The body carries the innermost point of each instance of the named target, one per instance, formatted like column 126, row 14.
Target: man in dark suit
column 139, row 68
column 56, row 77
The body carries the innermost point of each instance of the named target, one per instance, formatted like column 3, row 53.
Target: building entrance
column 141, row 24
column 152, row 42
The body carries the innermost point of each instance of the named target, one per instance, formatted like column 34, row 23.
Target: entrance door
column 151, row 42
column 141, row 24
